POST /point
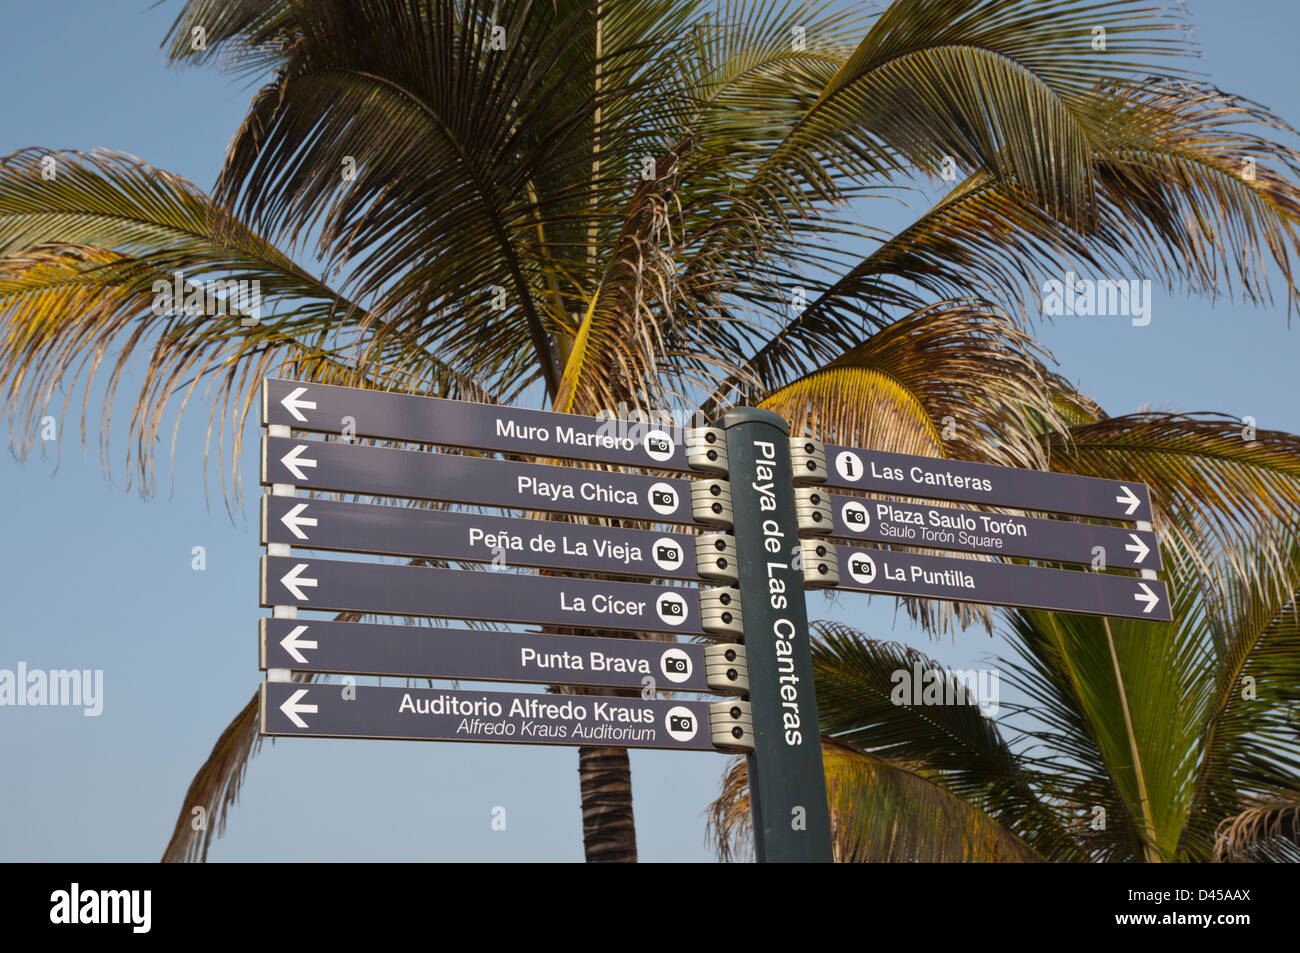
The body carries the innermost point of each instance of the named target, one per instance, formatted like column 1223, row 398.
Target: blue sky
column 95, row 577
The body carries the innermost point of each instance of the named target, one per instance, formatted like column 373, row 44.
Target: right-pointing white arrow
column 292, row 643
column 293, row 520
column 293, row 460
column 292, row 580
column 292, row 709
column 1130, row 498
column 292, row 403
column 1139, row 551
column 1147, row 596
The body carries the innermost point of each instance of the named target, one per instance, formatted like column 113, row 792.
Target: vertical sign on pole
column 787, row 784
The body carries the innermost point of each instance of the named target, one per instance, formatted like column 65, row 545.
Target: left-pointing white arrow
column 293, row 460
column 293, row 520
column 291, row 643
column 1147, row 596
column 1139, row 550
column 292, row 580
column 292, row 403
column 292, row 709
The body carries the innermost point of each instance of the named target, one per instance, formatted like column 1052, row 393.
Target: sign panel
column 435, row 714
column 787, row 780
column 452, row 478
column 938, row 527
column 324, row 408
column 1026, row 587
column 417, row 651
column 501, row 540
column 465, row 594
column 938, row 479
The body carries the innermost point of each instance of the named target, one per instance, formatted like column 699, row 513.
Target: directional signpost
column 379, row 471
column 320, row 408
column 1028, row 587
column 939, row 527
column 435, row 714
column 740, row 512
column 787, row 783
column 423, row 652
column 471, row 537
column 496, row 596
column 938, row 479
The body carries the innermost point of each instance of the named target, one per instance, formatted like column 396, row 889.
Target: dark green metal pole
column 787, row 786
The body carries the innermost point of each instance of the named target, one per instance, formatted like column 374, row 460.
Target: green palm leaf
column 881, row 812
column 126, row 227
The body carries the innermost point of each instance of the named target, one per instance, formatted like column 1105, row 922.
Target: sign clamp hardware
column 807, row 460
column 732, row 724
column 706, row 449
column 821, row 568
column 715, row 557
column 720, row 612
column 711, row 502
column 813, row 508
column 726, row 668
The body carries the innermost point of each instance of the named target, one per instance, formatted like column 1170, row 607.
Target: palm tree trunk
column 604, row 774
column 608, row 830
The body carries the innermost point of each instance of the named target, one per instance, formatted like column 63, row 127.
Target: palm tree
column 1139, row 741
column 656, row 204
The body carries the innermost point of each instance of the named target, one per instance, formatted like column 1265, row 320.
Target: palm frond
column 214, row 792
column 1213, row 480
column 985, row 84
column 1167, row 728
column 492, row 150
column 1265, row 832
column 881, row 812
column 67, row 304
column 956, row 379
column 861, row 701
column 1251, row 748
column 1190, row 193
column 240, row 35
